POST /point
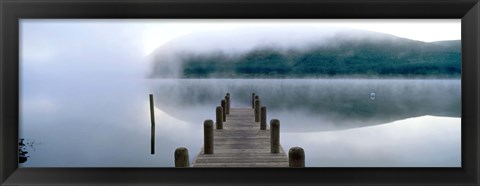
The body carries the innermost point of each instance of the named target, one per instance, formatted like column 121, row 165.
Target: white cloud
column 417, row 29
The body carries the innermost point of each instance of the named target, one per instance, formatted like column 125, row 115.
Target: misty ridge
column 282, row 52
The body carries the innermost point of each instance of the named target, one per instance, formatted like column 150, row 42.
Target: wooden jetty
column 240, row 137
column 241, row 143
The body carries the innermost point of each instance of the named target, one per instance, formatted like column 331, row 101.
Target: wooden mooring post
column 263, row 118
column 275, row 135
column 227, row 98
column 224, row 109
column 257, row 110
column 296, row 157
column 208, row 136
column 152, row 130
column 219, row 117
column 181, row 157
column 253, row 100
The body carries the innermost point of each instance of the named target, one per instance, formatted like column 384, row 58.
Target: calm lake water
column 339, row 122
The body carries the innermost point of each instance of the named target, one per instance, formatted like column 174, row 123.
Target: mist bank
column 307, row 105
column 297, row 53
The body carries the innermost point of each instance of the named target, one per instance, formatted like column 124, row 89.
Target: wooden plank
column 250, row 151
column 240, row 155
column 241, row 134
column 252, row 158
column 242, row 137
column 271, row 164
column 233, row 143
column 242, row 150
column 231, row 160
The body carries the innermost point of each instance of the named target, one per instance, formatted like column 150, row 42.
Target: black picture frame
column 13, row 10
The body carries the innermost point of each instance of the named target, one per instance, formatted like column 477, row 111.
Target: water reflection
column 320, row 104
column 426, row 141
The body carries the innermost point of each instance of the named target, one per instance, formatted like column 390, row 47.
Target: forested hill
column 386, row 56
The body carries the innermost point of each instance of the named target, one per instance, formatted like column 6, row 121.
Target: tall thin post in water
column 263, row 118
column 208, row 137
column 275, row 136
column 219, row 117
column 257, row 110
column 152, row 120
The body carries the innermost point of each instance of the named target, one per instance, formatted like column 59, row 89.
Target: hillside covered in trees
column 371, row 55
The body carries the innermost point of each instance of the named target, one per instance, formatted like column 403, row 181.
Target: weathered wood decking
column 241, row 143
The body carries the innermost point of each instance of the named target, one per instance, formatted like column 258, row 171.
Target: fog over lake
column 84, row 99
column 317, row 104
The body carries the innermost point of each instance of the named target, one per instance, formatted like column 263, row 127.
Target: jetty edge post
column 208, row 136
column 275, row 136
column 224, row 105
column 263, row 118
column 219, row 117
column 152, row 120
column 253, row 100
column 257, row 110
column 228, row 102
column 181, row 157
column 296, row 157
